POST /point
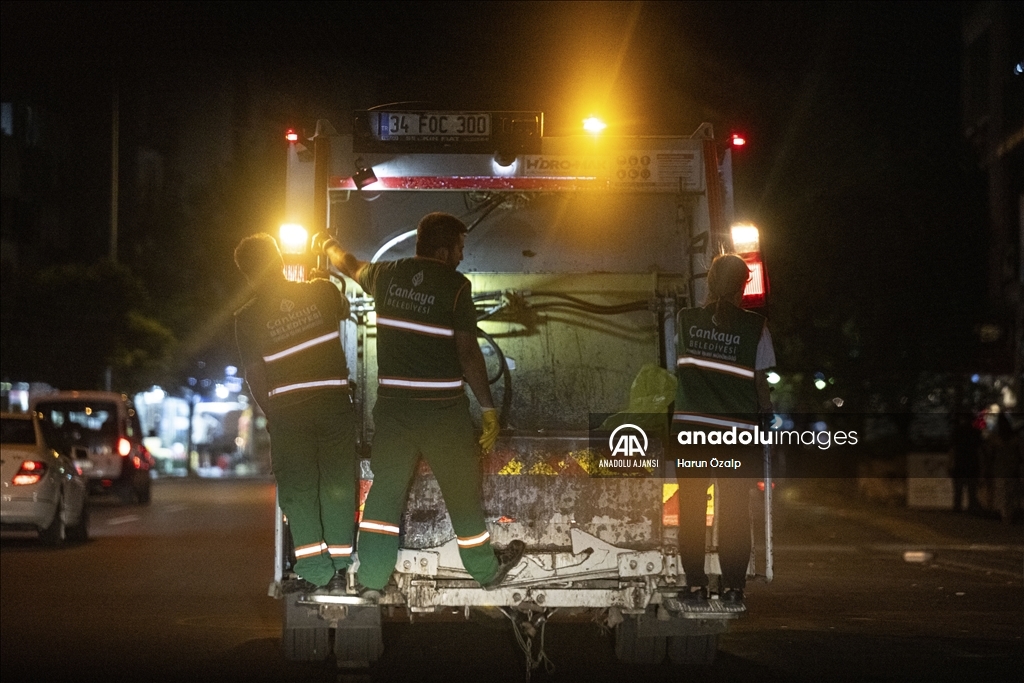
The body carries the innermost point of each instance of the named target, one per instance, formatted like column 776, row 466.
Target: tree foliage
column 67, row 325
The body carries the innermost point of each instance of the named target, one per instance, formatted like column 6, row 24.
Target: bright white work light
column 294, row 238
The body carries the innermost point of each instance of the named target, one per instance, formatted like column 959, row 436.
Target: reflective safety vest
column 294, row 330
column 715, row 368
column 420, row 304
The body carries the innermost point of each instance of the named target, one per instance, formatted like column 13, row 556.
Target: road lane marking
column 114, row 521
column 817, row 548
column 900, row 548
column 973, row 547
column 972, row 568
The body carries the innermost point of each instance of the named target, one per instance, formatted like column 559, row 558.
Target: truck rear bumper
column 592, row 575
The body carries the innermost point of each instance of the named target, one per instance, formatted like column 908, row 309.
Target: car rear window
column 17, row 431
column 72, row 423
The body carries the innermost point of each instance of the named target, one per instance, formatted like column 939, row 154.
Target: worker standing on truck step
column 289, row 340
column 426, row 345
column 723, row 353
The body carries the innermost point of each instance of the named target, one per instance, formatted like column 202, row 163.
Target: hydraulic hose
column 570, row 302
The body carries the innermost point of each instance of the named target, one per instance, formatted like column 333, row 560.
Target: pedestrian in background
column 965, row 467
column 1007, row 461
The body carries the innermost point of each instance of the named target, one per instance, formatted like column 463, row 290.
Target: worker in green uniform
column 723, row 355
column 289, row 340
column 426, row 347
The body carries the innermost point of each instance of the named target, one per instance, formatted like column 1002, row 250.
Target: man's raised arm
column 347, row 263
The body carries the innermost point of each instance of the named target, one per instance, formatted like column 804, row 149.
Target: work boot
column 507, row 559
column 361, row 595
column 694, row 599
column 338, row 583
column 732, row 601
column 366, row 596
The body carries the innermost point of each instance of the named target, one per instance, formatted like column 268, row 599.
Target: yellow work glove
column 490, row 429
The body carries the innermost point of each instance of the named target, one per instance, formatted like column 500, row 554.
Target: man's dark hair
column 257, row 256
column 436, row 231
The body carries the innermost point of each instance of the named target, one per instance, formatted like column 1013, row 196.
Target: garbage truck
column 581, row 250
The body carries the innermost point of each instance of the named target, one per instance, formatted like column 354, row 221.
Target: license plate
column 434, row 126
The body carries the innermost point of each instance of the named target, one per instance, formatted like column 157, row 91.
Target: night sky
column 856, row 169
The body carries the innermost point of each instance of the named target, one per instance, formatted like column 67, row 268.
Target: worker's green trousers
column 440, row 431
column 314, row 460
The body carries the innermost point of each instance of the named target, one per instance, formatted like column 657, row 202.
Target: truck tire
column 631, row 648
column 306, row 644
column 57, row 532
column 79, row 533
column 126, row 493
column 695, row 651
column 358, row 642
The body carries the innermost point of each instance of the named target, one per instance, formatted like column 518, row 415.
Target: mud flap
column 305, row 637
column 357, row 638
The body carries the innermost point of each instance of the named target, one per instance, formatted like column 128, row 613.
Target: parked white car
column 42, row 489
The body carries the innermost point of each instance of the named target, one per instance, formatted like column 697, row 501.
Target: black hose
column 489, row 206
column 572, row 303
column 567, row 297
column 595, row 308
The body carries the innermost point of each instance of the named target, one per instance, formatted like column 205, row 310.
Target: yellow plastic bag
column 652, row 392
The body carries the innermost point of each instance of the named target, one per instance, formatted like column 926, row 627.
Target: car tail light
column 760, row 486
column 30, row 472
column 124, row 447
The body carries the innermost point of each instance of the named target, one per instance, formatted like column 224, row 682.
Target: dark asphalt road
column 177, row 591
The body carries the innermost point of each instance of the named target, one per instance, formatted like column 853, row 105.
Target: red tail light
column 756, row 291
column 124, row 447
column 291, row 136
column 30, row 472
column 760, row 486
